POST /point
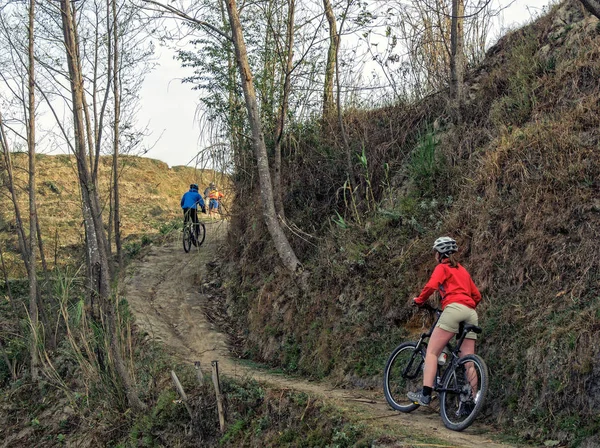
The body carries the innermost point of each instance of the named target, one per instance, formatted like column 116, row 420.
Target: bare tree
column 117, row 117
column 22, row 86
column 33, row 293
column 432, row 41
column 283, row 107
column 332, row 53
column 8, row 173
column 286, row 253
column 10, row 184
column 345, row 139
column 96, row 243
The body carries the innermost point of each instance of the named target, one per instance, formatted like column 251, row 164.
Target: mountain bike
column 191, row 237
column 461, row 383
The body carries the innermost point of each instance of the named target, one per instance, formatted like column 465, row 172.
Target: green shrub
column 167, row 227
column 52, row 186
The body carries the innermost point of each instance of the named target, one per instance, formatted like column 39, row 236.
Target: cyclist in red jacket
column 460, row 296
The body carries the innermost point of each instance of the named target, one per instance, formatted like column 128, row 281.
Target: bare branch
column 185, row 16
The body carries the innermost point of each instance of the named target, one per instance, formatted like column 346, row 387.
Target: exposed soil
column 164, row 294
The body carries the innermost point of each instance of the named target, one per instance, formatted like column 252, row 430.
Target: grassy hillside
column 516, row 181
column 150, row 193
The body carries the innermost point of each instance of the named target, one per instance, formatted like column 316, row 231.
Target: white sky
column 169, row 107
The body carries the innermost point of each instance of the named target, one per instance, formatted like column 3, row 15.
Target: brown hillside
column 150, row 194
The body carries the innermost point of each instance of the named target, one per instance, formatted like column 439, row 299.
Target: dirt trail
column 162, row 291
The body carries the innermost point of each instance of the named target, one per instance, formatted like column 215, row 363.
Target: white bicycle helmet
column 445, row 245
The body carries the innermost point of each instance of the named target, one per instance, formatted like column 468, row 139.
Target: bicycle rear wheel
column 464, row 391
column 201, row 234
column 187, row 238
column 403, row 373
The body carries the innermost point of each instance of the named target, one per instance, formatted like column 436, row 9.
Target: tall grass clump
column 84, row 345
column 427, row 164
column 515, row 105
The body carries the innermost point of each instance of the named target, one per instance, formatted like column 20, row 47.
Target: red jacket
column 455, row 286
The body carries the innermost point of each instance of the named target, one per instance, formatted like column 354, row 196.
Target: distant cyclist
column 460, row 296
column 208, row 189
column 189, row 203
column 214, row 201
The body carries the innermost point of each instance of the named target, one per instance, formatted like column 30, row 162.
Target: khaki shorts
column 454, row 314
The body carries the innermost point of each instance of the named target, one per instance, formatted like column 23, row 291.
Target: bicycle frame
column 454, row 352
column 187, row 217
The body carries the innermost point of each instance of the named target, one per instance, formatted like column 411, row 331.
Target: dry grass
column 519, row 190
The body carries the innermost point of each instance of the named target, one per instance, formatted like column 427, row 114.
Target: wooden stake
column 181, row 392
column 215, row 378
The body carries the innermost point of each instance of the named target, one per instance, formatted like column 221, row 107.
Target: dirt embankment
column 164, row 294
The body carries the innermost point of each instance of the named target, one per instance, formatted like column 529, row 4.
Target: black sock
column 427, row 391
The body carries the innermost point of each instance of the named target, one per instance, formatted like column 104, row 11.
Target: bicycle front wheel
column 463, row 393
column 187, row 238
column 201, row 234
column 403, row 373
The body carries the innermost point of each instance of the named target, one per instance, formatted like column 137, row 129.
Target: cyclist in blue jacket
column 189, row 202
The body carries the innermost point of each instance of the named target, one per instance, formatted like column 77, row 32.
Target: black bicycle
column 461, row 383
column 193, row 236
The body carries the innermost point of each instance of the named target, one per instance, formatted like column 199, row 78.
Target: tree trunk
column 334, row 41
column 96, row 243
column 233, row 101
column 283, row 110
column 593, row 6
column 111, row 220
column 88, row 190
column 33, row 293
column 336, row 73
column 23, row 245
column 457, row 56
column 115, row 170
column 345, row 139
column 284, row 249
column 267, row 88
column 41, row 245
column 99, row 118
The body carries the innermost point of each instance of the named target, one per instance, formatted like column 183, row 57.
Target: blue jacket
column 191, row 198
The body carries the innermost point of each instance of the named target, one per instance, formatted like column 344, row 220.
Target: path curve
column 163, row 293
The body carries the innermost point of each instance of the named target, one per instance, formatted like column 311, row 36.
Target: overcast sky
column 169, row 107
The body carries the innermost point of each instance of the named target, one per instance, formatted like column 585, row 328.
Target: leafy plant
column 340, row 221
column 369, row 198
column 426, row 164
